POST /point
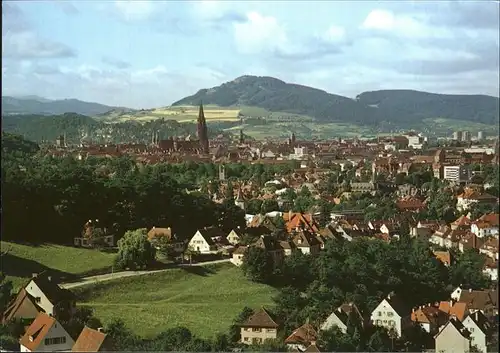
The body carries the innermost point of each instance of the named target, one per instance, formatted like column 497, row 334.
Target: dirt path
column 123, row 274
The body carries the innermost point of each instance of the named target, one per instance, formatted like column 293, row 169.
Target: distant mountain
column 43, row 106
column 392, row 106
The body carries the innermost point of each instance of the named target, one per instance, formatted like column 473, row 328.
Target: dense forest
column 369, row 108
column 58, row 196
column 83, row 128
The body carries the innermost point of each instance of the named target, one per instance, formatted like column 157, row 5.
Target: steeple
column 202, row 130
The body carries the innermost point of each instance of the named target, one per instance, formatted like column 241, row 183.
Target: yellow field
column 179, row 113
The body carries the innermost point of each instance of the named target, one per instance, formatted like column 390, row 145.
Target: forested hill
column 40, row 105
column 394, row 106
column 79, row 128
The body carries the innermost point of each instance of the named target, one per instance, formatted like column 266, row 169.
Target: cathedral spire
column 202, row 130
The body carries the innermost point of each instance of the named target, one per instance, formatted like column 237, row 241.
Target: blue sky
column 143, row 54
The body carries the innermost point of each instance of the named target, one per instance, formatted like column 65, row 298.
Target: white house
column 392, row 314
column 233, row 237
column 340, row 316
column 46, row 334
column 484, row 229
column 453, row 338
column 478, row 326
column 202, row 242
column 490, row 248
column 51, row 298
column 238, row 254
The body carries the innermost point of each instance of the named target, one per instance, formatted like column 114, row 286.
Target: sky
column 144, row 54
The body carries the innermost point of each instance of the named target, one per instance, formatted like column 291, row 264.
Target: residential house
column 491, row 269
column 260, row 326
column 307, row 243
column 486, row 225
column 453, row 238
column 453, row 338
column 392, row 313
column 429, row 317
column 470, row 197
column 454, row 308
column 299, row 221
column 444, row 256
column 470, row 241
column 45, row 334
column 410, row 204
column 238, row 254
column 272, row 247
column 340, row 317
column 91, row 340
column 52, row 299
column 485, row 301
column 288, row 247
column 202, row 241
column 94, row 234
column 157, row 233
column 22, row 308
column 490, row 248
column 462, row 222
column 302, row 337
column 234, row 237
column 440, row 235
column 480, row 329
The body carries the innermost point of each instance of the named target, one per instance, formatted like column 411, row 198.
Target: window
column 379, row 313
column 38, row 299
column 392, row 323
column 390, row 314
column 471, row 329
column 245, row 339
column 55, row 340
column 271, row 330
column 256, row 329
column 385, row 321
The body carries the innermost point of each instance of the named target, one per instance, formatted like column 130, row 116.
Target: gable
column 385, row 306
column 35, row 291
column 198, row 237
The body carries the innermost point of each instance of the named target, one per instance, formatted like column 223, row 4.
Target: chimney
column 49, row 278
column 470, row 290
column 100, row 329
column 429, row 304
column 34, row 275
column 413, row 310
column 477, row 315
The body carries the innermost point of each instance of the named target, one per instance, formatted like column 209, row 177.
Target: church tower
column 202, row 130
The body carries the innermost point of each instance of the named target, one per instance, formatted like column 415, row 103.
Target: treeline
column 75, row 127
column 49, row 199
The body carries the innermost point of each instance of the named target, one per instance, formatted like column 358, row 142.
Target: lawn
column 203, row 299
column 62, row 262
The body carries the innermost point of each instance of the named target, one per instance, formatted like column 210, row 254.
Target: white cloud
column 334, row 33
column 259, row 33
column 402, row 25
column 137, row 10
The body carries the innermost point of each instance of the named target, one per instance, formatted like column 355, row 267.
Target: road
column 123, row 274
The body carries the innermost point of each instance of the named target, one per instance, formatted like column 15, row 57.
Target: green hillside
column 395, row 107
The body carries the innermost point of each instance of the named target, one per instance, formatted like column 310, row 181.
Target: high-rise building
column 466, row 136
column 202, row 130
column 457, row 135
column 480, row 135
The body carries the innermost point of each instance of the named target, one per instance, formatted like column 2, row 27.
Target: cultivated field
column 203, row 299
column 62, row 262
column 179, row 113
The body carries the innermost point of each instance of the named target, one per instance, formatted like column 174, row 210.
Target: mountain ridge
column 371, row 107
column 43, row 106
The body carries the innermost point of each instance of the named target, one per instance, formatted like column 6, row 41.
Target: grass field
column 62, row 262
column 203, row 299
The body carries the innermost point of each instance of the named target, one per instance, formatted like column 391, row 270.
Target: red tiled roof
column 89, row 340
column 37, row 331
